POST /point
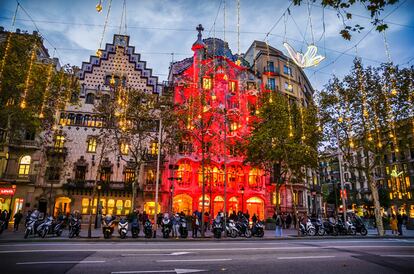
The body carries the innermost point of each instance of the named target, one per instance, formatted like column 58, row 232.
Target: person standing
column 288, row 221
column 278, row 223
column 195, row 225
column 394, row 225
column 4, row 217
column 399, row 223
column 254, row 218
column 17, row 218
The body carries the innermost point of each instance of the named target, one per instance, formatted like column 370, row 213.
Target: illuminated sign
column 7, row 191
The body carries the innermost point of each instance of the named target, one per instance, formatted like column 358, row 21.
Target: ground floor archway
column 255, row 205
column 183, row 203
column 149, row 208
column 206, row 203
column 62, row 205
column 233, row 205
column 218, row 205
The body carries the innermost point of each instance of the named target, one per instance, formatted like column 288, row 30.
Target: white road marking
column 61, row 262
column 402, row 256
column 155, row 254
column 193, row 260
column 124, row 250
column 177, row 270
column 304, row 257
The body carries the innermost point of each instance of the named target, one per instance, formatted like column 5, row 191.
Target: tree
column 368, row 111
column 343, row 9
column 284, row 140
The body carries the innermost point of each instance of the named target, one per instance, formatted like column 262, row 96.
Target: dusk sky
column 159, row 28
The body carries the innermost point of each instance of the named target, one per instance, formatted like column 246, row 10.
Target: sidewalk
column 9, row 235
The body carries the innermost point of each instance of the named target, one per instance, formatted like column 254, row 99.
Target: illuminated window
column 255, row 177
column 129, row 175
column 150, row 177
column 232, row 86
column 154, row 148
column 111, row 205
column 234, row 126
column 124, row 149
column 207, row 83
column 127, row 206
column 24, row 165
column 184, row 172
column 85, row 205
column 59, row 141
column 92, row 144
column 119, row 207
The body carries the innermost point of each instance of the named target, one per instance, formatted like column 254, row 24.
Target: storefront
column 6, row 199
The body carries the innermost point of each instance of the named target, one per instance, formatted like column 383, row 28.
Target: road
column 290, row 256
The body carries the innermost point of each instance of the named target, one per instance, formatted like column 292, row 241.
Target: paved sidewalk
column 9, row 235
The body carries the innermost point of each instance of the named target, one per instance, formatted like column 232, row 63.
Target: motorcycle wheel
column 335, row 232
column 352, row 231
column 311, row 232
column 58, row 233
column 123, row 235
column 233, row 234
column 106, row 235
column 248, row 233
column 321, row 232
column 71, row 234
column 364, row 231
column 260, row 234
column 43, row 233
column 26, row 233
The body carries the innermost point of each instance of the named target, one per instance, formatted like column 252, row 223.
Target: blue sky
column 158, row 28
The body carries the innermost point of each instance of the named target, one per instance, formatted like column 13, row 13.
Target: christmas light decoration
column 5, row 55
column 307, row 60
column 46, row 93
column 27, row 82
column 99, row 6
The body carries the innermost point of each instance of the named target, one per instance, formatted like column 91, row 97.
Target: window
column 106, row 174
column 111, row 204
column 92, row 144
column 24, row 165
column 154, row 148
column 90, row 98
column 270, row 66
column 59, row 141
column 207, row 83
column 80, row 173
column 85, row 205
column 78, row 119
column 53, row 173
column 129, row 175
column 232, row 86
column 255, row 178
column 29, row 135
column 234, row 126
column 271, row 83
column 184, row 172
column 124, row 148
column 150, row 177
column 288, row 87
column 287, row 70
column 119, row 206
column 251, row 85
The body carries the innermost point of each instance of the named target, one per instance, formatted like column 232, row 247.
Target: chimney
column 17, row 30
column 35, row 33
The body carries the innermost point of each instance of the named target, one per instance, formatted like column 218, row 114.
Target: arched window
column 255, row 178
column 185, row 173
column 90, row 98
column 24, row 165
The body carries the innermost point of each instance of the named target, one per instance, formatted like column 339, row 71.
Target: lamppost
column 11, row 201
column 98, row 205
column 242, row 193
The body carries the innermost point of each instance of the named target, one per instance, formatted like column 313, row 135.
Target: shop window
column 85, row 205
column 124, row 148
column 92, row 144
column 59, row 141
column 150, row 177
column 110, row 206
column 232, row 86
column 102, row 205
column 119, row 207
column 129, row 175
column 154, row 148
column 127, row 206
column 207, row 83
column 24, row 165
column 90, row 98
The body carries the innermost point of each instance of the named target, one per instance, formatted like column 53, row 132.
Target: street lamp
column 11, row 200
column 98, row 205
column 242, row 193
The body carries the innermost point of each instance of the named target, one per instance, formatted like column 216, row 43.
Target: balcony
column 31, row 178
column 89, row 184
column 56, row 151
column 33, row 144
column 149, row 157
column 271, row 71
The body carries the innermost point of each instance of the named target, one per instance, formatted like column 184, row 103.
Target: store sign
column 7, row 191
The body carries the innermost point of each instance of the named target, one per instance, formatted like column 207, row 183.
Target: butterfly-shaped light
column 307, row 60
column 395, row 173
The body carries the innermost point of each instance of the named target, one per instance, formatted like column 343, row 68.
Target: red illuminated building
column 212, row 85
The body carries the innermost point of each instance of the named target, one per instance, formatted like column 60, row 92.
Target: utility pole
column 157, row 178
column 341, row 174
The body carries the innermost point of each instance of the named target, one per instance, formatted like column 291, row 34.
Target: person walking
column 399, row 223
column 3, row 218
column 195, row 225
column 176, row 225
column 278, row 223
column 394, row 225
column 288, row 221
column 17, row 218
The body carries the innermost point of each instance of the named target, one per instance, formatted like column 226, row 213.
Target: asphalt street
column 292, row 256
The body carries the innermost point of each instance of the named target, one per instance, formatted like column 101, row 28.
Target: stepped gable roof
column 133, row 57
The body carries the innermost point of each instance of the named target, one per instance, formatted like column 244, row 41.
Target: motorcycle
column 183, row 229
column 1, row 226
column 231, row 229
column 345, row 228
column 330, row 228
column 32, row 224
column 217, row 228
column 307, row 229
column 318, row 224
column 258, row 229
column 74, row 226
column 148, row 229
column 44, row 227
column 360, row 226
column 135, row 228
column 243, row 227
column 123, row 228
column 166, row 227
column 108, row 226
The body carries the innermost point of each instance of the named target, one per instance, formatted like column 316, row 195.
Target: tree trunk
column 295, row 215
column 377, row 207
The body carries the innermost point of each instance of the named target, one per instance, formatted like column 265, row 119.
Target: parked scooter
column 318, row 224
column 258, row 229
column 330, row 228
column 123, row 228
column 45, row 226
column 231, row 229
column 307, row 229
column 243, row 227
column 74, row 226
column 359, row 226
column 31, row 224
column 183, row 229
column 217, row 227
column 166, row 226
column 108, row 226
column 135, row 228
column 148, row 229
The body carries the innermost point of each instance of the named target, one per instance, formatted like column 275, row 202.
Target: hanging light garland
column 99, row 6
column 47, row 88
column 6, row 53
column 27, row 82
column 365, row 112
column 98, row 52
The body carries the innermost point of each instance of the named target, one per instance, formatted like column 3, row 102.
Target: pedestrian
column 278, row 223
column 176, row 225
column 144, row 218
column 254, row 218
column 399, row 223
column 195, row 225
column 247, row 215
column 288, row 221
column 3, row 218
column 206, row 221
column 17, row 218
column 394, row 225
